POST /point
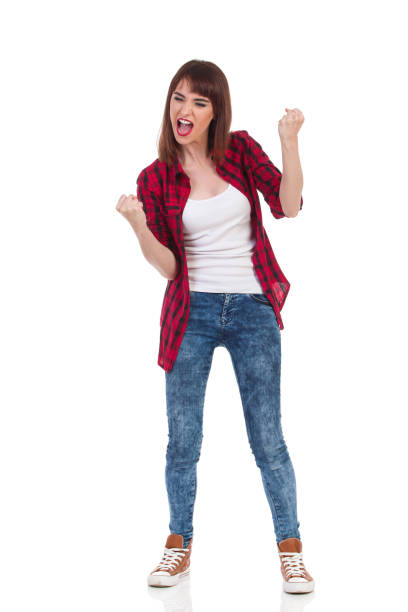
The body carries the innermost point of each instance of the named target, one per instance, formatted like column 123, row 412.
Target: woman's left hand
column 290, row 124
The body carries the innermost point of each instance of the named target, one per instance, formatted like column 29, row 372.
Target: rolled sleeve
column 149, row 194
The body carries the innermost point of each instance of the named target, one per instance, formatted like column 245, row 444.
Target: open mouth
column 184, row 127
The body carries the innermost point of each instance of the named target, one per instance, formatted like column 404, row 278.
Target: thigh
column 186, row 382
column 253, row 339
column 254, row 344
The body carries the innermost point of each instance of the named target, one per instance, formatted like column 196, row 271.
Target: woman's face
column 192, row 107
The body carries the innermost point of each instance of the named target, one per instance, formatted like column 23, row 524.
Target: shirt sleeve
column 267, row 176
column 149, row 194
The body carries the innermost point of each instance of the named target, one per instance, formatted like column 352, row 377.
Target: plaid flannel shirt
column 164, row 192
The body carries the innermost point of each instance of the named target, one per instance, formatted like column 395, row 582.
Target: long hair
column 206, row 79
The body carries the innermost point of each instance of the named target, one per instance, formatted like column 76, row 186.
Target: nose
column 186, row 110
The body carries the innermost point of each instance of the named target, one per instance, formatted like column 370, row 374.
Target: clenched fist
column 132, row 209
column 290, row 124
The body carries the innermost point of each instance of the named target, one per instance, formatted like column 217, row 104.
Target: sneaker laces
column 293, row 562
column 171, row 558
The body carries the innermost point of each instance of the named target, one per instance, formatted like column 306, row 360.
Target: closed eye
column 197, row 103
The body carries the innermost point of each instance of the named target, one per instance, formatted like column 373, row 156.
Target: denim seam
column 250, row 434
column 191, row 513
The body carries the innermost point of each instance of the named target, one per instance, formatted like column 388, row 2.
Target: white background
column 84, row 514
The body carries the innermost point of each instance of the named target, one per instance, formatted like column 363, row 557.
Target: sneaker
column 174, row 565
column 296, row 579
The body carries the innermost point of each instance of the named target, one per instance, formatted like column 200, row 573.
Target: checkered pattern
column 164, row 191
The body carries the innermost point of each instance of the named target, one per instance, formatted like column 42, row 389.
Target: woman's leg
column 185, row 391
column 254, row 342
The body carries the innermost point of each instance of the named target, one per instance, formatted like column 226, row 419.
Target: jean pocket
column 260, row 297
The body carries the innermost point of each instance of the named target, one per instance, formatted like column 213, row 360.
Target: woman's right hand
column 132, row 209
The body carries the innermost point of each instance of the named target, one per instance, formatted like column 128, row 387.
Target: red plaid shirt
column 164, row 192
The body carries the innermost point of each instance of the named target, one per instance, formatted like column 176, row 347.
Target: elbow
column 168, row 275
column 174, row 272
column 290, row 213
column 291, row 206
column 293, row 214
column 289, row 210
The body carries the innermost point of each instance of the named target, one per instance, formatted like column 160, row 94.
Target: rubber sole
column 298, row 587
column 166, row 581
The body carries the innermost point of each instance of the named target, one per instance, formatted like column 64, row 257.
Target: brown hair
column 206, row 79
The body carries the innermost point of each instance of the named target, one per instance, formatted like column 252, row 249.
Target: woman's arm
column 290, row 191
column 291, row 186
column 158, row 255
column 267, row 177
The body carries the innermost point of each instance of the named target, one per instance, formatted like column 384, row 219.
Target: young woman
column 198, row 219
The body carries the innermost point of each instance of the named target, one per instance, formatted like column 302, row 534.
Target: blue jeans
column 244, row 323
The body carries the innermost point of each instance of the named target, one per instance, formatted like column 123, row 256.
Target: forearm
column 158, row 255
column 291, row 185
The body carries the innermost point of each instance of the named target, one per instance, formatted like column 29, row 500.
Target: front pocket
column 260, row 297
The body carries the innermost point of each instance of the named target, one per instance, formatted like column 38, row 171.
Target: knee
column 183, row 452
column 273, row 455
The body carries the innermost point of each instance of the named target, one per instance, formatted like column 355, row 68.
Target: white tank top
column 219, row 243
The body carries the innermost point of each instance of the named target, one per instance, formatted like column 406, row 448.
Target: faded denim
column 244, row 323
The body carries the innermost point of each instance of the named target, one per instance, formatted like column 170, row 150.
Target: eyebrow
column 202, row 99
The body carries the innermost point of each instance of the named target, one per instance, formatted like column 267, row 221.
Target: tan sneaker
column 174, row 565
column 296, row 579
